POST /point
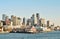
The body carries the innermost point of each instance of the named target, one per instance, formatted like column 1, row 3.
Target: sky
column 48, row 9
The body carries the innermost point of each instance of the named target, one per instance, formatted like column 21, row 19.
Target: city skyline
column 34, row 19
column 48, row 9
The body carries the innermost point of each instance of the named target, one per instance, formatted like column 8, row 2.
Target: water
column 49, row 35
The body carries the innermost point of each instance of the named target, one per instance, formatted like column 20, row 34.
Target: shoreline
column 5, row 32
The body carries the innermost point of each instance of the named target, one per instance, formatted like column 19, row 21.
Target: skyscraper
column 19, row 20
column 15, row 20
column 37, row 16
column 23, row 21
column 3, row 17
column 42, row 22
column 35, row 20
column 48, row 23
column 29, row 22
column 32, row 19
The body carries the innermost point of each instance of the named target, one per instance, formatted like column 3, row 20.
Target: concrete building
column 1, row 23
column 15, row 20
column 48, row 23
column 7, row 21
column 29, row 22
column 4, row 17
column 42, row 22
column 32, row 19
column 37, row 17
column 18, row 21
column 1, row 26
column 35, row 21
column 24, row 23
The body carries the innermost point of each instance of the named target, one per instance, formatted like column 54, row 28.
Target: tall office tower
column 48, row 23
column 19, row 20
column 3, row 17
column 29, row 22
column 42, row 22
column 23, row 21
column 37, row 16
column 15, row 20
column 35, row 20
column 32, row 19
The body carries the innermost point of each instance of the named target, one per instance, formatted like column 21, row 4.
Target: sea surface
column 45, row 35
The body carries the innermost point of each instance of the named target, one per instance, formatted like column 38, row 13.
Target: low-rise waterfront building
column 57, row 28
column 1, row 23
column 33, row 30
column 1, row 29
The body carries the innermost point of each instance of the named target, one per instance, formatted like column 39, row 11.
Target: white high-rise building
column 42, row 22
column 37, row 17
column 16, row 20
column 35, row 21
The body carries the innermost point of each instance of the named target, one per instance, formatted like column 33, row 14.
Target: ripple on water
column 49, row 35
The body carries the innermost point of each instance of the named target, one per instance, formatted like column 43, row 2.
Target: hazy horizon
column 48, row 9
